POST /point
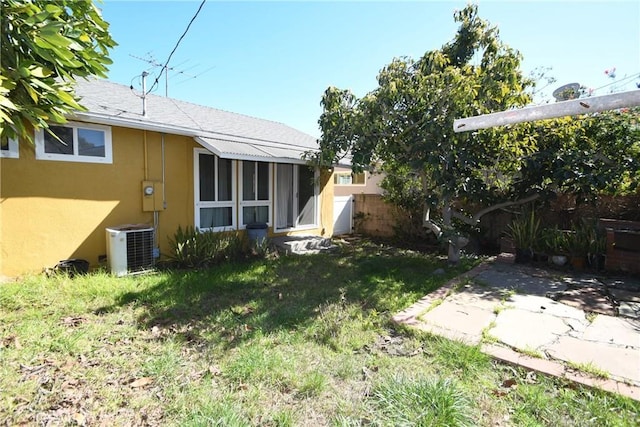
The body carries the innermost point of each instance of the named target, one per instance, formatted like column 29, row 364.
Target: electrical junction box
column 152, row 196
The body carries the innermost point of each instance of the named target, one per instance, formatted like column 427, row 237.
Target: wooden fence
column 374, row 217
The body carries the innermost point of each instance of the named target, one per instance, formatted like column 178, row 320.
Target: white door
column 342, row 215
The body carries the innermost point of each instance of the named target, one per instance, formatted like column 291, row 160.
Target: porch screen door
column 284, row 196
column 296, row 201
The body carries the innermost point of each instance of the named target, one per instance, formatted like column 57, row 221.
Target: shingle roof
column 228, row 134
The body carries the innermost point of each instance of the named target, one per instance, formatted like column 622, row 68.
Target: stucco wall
column 371, row 185
column 54, row 210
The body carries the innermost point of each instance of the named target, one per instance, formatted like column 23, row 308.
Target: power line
column 155, row 83
column 624, row 79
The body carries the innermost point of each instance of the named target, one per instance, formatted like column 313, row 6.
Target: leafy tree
column 584, row 155
column 45, row 45
column 406, row 123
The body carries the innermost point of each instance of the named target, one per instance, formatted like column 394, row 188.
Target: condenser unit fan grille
column 140, row 250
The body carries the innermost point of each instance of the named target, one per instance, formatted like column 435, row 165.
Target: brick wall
column 623, row 245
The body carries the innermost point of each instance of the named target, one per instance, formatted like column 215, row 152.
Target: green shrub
column 194, row 248
column 525, row 231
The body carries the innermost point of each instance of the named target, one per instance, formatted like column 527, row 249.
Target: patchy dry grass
column 295, row 341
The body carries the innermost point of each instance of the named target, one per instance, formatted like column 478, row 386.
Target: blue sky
column 275, row 59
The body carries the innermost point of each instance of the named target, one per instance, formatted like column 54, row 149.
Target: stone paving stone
column 578, row 327
column 628, row 283
column 525, row 330
column 617, row 361
column 629, row 391
column 504, row 354
column 520, row 281
column 477, row 296
column 614, row 330
column 545, row 366
column 457, row 318
column 558, row 330
column 582, row 282
column 587, row 299
column 454, row 335
column 590, row 381
column 629, row 309
column 538, row 304
column 622, row 295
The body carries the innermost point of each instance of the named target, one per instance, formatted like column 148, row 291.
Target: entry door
column 296, row 197
column 342, row 215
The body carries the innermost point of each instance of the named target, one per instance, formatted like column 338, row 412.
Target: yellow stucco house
column 179, row 164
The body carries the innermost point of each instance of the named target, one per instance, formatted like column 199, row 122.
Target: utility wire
column 624, row 79
column 164, row 68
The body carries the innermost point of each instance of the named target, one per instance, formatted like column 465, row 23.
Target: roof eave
column 105, row 119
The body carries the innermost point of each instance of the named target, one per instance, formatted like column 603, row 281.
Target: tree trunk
column 456, row 242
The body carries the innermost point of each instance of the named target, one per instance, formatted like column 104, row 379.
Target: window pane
column 306, row 199
column 224, row 180
column 215, row 217
column 342, row 179
column 248, row 180
column 53, row 146
column 207, row 174
column 263, row 181
column 255, row 214
column 90, row 142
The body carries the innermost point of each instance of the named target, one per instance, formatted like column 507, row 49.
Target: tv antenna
column 151, row 60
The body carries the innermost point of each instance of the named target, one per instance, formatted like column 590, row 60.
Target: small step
column 303, row 245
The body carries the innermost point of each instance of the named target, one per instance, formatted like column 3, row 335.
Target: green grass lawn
column 295, row 340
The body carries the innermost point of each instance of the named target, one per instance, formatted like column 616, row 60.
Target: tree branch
column 476, row 218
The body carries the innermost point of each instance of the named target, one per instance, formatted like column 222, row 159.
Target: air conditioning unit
column 130, row 249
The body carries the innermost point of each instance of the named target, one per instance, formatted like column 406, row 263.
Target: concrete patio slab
column 514, row 279
column 479, row 297
column 467, row 321
column 537, row 304
column 621, row 363
column 623, row 295
column 629, row 309
column 525, row 330
column 510, row 303
column 588, row 298
column 616, row 331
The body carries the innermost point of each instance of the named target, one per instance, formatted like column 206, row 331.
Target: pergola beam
column 572, row 107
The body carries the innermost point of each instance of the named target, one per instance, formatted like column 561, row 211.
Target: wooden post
column 572, row 107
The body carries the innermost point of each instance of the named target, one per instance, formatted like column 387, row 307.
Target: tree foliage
column 45, row 45
column 406, row 125
column 585, row 155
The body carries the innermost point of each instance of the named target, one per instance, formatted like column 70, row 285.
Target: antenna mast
column 149, row 59
column 144, row 93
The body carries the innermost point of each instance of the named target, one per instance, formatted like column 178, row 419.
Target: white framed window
column 255, row 192
column 296, row 197
column 215, row 207
column 349, row 178
column 9, row 148
column 75, row 142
